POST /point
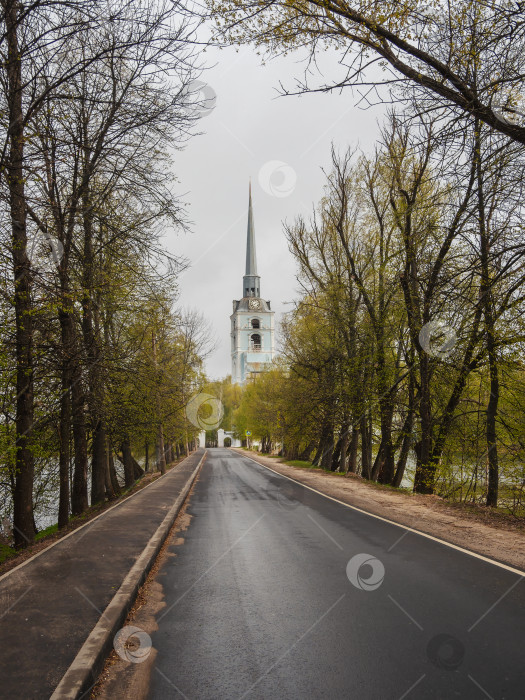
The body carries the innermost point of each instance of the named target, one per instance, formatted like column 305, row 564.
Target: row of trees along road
column 95, row 362
column 427, row 230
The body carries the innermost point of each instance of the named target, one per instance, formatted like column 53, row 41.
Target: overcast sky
column 282, row 143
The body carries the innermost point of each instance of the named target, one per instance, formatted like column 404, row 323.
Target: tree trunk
column 378, row 461
column 138, row 472
column 408, row 426
column 387, row 472
column 402, row 460
column 490, row 339
column 127, row 461
column 326, row 445
column 343, row 439
column 72, row 375
column 328, row 449
column 98, row 459
column 79, row 494
column 95, row 395
column 491, row 432
column 160, row 457
column 343, row 467
column 383, row 470
column 366, row 456
column 425, row 466
column 336, row 456
column 352, row 452
column 23, row 526
column 306, row 453
column 110, row 492
column 64, row 457
column 112, row 471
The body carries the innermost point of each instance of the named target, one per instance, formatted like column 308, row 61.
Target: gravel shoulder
column 496, row 536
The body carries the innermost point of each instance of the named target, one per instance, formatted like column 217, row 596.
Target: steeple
column 252, row 320
column 251, row 280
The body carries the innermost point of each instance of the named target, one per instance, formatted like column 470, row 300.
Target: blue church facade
column 252, row 320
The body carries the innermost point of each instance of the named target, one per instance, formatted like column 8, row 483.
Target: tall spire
column 251, row 280
column 251, row 257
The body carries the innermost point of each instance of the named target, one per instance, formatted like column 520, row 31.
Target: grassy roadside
column 10, row 557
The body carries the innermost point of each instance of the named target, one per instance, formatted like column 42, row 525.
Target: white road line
column 392, row 522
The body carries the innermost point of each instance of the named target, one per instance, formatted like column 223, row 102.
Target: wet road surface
column 279, row 592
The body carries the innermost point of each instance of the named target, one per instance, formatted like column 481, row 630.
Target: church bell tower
column 252, row 320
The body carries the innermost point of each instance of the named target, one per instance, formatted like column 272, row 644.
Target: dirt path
column 477, row 529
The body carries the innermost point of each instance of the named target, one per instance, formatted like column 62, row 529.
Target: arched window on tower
column 255, row 342
column 255, row 323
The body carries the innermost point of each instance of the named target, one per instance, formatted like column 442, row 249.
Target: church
column 252, row 320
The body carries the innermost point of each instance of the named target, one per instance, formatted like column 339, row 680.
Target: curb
column 88, row 663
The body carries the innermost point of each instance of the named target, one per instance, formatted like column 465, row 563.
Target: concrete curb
column 86, row 667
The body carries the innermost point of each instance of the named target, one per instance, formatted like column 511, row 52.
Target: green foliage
column 48, row 531
column 384, row 256
column 6, row 552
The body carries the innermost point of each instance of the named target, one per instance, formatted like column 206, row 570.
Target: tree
column 409, row 267
column 467, row 54
column 88, row 117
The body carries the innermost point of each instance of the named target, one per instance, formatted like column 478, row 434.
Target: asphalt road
column 270, row 596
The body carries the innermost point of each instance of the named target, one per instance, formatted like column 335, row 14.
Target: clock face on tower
column 254, row 304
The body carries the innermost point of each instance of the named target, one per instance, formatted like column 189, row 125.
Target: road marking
column 392, row 522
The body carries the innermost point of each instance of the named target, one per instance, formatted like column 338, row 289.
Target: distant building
column 252, row 321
